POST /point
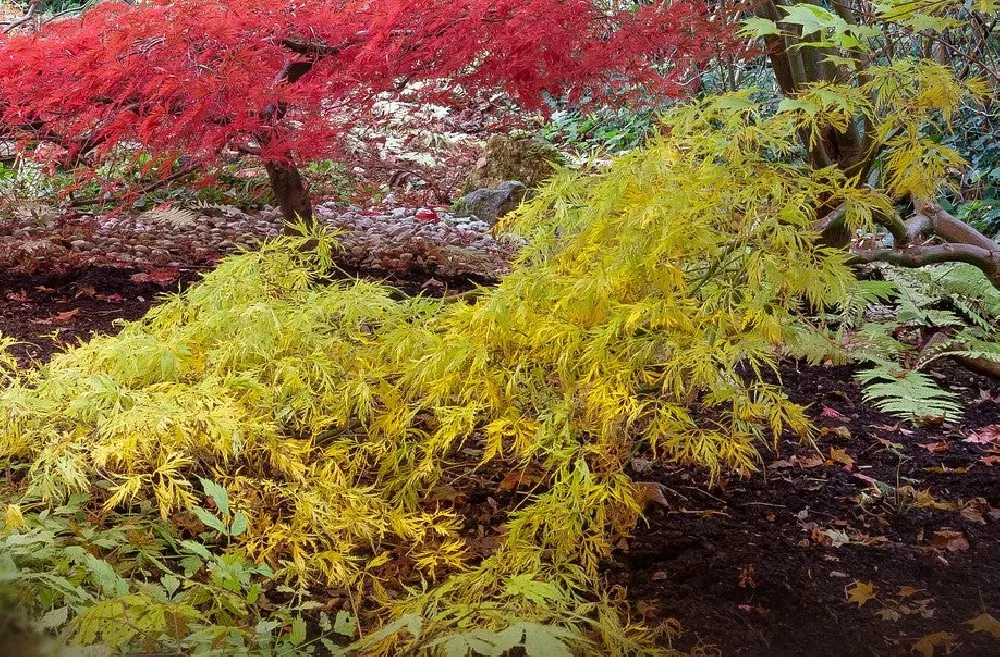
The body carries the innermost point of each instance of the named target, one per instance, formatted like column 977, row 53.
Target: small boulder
column 490, row 204
column 517, row 156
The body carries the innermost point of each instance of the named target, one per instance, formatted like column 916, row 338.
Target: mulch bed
column 763, row 565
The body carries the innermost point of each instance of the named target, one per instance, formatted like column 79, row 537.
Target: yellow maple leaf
column 860, row 593
column 986, row 624
column 925, row 645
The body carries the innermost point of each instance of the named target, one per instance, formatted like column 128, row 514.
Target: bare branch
column 918, row 256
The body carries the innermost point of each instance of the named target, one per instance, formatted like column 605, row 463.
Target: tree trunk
column 292, row 193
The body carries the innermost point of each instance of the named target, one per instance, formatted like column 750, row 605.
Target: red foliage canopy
column 199, row 77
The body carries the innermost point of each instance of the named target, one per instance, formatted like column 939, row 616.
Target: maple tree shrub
column 193, row 81
column 330, row 413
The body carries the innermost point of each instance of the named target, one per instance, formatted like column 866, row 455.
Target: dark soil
column 762, row 566
column 48, row 311
column 755, row 566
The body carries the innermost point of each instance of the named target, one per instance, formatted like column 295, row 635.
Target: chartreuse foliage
column 317, row 416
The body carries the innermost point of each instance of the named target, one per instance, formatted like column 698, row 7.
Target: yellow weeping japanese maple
column 650, row 302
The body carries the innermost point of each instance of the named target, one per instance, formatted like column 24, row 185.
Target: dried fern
column 175, row 218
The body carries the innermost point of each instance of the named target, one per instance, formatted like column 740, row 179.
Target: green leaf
column 298, row 633
column 53, row 619
column 170, row 583
column 240, row 524
column 191, row 564
column 542, row 641
column 533, row 590
column 345, row 624
column 757, row 27
column 813, row 18
column 197, row 548
column 734, row 102
column 210, row 521
column 925, row 22
column 218, row 495
column 795, row 104
column 104, row 575
column 266, row 627
column 324, row 622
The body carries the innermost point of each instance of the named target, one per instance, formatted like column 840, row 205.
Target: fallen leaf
column 935, row 447
column 516, row 480
column 888, row 614
column 860, row 593
column 58, row 318
column 949, row 539
column 985, row 435
column 85, row 291
column 921, row 607
column 908, row 591
column 836, row 432
column 944, row 469
column 989, row 460
column 159, row 276
column 924, row 498
column 832, row 412
column 929, row 420
column 842, row 457
column 975, row 509
column 891, row 445
column 793, row 461
column 925, row 646
column 650, row 492
column 830, row 537
column 986, row 624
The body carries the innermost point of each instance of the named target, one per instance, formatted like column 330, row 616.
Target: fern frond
column 908, row 393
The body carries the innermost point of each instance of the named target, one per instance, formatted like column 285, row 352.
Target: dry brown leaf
column 975, row 510
column 58, row 318
column 516, row 480
column 986, row 624
column 860, row 592
column 989, row 461
column 888, row 614
column 926, row 645
column 949, row 539
column 835, row 432
column 924, row 498
column 985, row 435
column 650, row 492
column 891, row 445
column 842, row 457
column 944, row 469
column 793, row 461
column 935, row 447
column 830, row 537
column 908, row 591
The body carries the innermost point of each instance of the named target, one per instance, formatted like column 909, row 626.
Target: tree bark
column 962, row 243
column 292, row 194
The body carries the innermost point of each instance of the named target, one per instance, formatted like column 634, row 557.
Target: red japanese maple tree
column 206, row 78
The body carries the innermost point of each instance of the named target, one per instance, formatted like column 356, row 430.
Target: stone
column 518, row 156
column 488, row 205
